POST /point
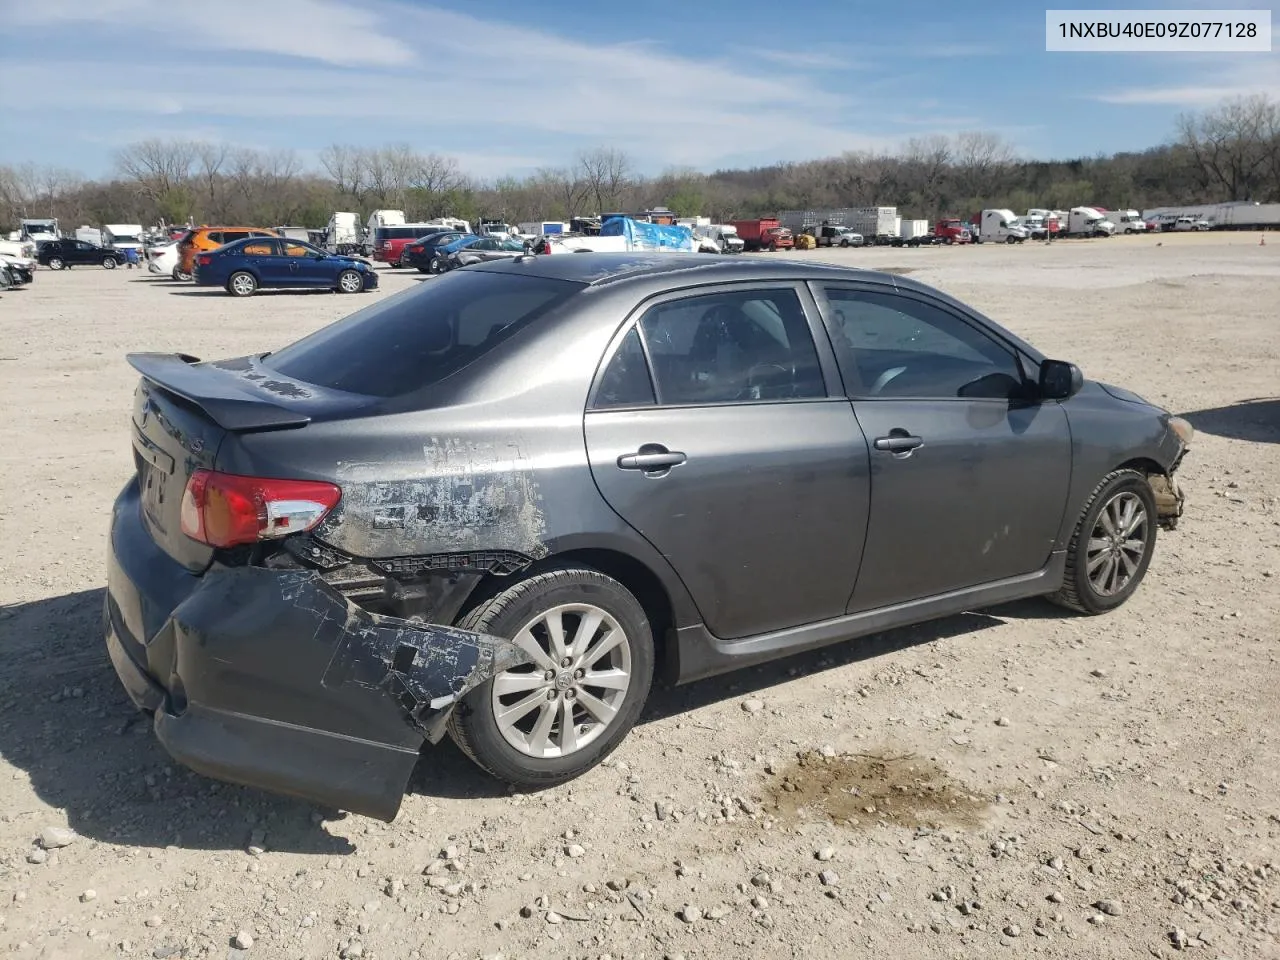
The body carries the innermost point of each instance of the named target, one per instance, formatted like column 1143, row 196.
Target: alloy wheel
column 1117, row 544
column 570, row 694
column 243, row 284
column 351, row 282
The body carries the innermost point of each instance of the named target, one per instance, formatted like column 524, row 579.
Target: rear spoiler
column 225, row 398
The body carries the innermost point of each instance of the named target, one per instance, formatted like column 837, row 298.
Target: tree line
column 1229, row 152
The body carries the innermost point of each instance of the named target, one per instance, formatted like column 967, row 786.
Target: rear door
column 969, row 480
column 733, row 459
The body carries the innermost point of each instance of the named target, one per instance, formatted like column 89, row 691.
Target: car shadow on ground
column 67, row 724
column 1256, row 420
column 275, row 292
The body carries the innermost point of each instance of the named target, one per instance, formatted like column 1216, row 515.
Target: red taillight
column 204, row 259
column 225, row 510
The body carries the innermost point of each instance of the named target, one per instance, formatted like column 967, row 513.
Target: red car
column 389, row 242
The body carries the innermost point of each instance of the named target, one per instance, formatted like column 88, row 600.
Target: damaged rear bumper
column 272, row 679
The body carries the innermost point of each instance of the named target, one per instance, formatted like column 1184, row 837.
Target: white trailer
column 1238, row 215
column 871, row 222
column 911, row 229
column 1001, row 226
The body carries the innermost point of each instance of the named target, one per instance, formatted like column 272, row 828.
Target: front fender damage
column 310, row 694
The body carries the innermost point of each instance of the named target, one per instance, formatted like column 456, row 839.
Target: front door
column 969, row 474
column 732, row 458
column 305, row 268
column 263, row 254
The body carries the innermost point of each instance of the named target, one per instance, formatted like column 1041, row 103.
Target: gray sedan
column 497, row 504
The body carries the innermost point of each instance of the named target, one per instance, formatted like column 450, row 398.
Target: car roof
column 597, row 269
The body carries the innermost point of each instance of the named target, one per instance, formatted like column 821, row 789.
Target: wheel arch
column 636, row 576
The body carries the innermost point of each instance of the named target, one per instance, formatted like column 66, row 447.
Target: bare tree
column 346, row 165
column 980, row 158
column 158, row 166
column 605, row 172
column 563, row 189
column 1233, row 143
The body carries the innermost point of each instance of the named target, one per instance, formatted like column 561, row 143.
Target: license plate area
column 154, row 468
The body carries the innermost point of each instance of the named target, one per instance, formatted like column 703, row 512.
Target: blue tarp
column 642, row 235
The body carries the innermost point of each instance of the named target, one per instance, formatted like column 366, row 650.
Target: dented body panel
column 273, row 679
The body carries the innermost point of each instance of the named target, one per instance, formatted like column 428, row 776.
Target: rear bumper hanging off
column 272, row 679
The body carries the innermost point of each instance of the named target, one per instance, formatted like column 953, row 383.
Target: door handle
column 652, row 457
column 899, row 442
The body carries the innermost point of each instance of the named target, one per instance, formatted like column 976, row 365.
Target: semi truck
column 1001, row 226
column 766, row 233
column 952, row 230
column 1088, row 222
column 342, row 235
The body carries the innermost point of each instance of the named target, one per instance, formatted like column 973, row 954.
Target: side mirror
column 1059, row 380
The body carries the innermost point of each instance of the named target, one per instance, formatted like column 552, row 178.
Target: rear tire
column 55, row 263
column 242, row 284
column 1100, row 545
column 536, row 757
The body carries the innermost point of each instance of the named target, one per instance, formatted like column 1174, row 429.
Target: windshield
column 417, row 338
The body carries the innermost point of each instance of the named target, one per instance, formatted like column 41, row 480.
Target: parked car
column 246, row 266
column 828, row 235
column 423, row 252
column 445, row 251
column 201, row 239
column 1194, row 224
column 61, row 254
column 484, row 250
column 22, row 270
column 498, row 503
column 162, row 259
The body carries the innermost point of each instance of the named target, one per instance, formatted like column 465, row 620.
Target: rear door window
column 230, row 236
column 417, row 338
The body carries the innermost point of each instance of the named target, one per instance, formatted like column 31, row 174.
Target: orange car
column 202, row 239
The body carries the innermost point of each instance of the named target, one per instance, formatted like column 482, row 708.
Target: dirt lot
column 1012, row 782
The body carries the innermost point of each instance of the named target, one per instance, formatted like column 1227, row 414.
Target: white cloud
column 332, row 31
column 449, row 82
column 1205, row 80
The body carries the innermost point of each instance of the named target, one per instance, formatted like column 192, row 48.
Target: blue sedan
column 245, row 266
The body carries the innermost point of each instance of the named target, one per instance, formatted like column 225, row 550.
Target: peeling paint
column 464, row 495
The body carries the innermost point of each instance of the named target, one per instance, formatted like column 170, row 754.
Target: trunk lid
column 183, row 411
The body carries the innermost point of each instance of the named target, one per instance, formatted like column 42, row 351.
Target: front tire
column 108, row 263
column 546, row 722
column 1111, row 546
column 350, row 281
column 242, row 284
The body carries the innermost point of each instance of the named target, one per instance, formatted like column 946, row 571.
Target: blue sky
column 507, row 86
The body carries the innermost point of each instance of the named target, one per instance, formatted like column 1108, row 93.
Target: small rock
column 553, row 917
column 1099, row 673
column 720, row 912
column 153, row 921
column 1097, row 919
column 759, row 902
column 88, row 895
column 1055, row 897
column 574, row 850
column 1109, row 907
column 689, row 913
column 51, row 838
column 352, row 951
column 828, row 878
column 1002, row 722
column 828, row 751
column 661, row 810
column 1012, row 930
column 36, row 855
column 1178, row 937
column 752, row 706
column 242, row 940
column 760, row 879
column 826, row 853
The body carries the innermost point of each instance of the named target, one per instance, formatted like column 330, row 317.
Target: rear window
column 419, row 337
column 399, row 233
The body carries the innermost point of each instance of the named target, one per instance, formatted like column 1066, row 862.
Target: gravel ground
column 1012, row 782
